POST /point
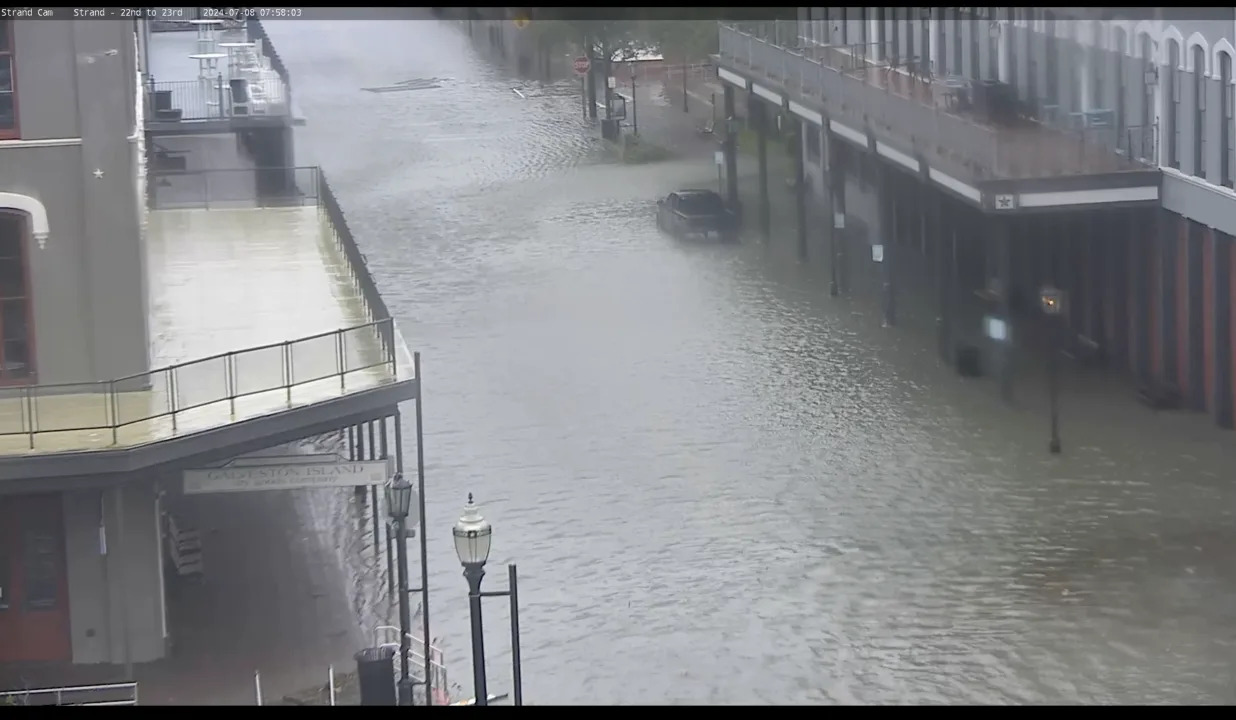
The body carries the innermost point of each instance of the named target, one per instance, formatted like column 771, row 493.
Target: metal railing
column 388, row 636
column 858, row 91
column 219, row 380
column 222, row 380
column 211, row 98
column 82, row 695
column 257, row 33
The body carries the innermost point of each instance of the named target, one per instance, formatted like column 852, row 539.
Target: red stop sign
column 581, row 65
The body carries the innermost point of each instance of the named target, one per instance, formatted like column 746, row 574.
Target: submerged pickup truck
column 695, row 212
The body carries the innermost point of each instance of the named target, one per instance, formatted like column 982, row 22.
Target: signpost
column 581, row 65
column 290, row 474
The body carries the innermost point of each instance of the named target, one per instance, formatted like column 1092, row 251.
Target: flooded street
column 720, row 484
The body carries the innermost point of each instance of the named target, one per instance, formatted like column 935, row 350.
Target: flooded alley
column 720, row 484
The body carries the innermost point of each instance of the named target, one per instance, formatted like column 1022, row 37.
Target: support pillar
column 759, row 114
column 800, row 187
column 1220, row 284
column 1139, row 295
column 1096, row 294
column 836, row 191
column 730, row 150
column 1116, row 262
column 1195, row 298
column 942, row 237
column 884, row 230
column 1165, row 245
column 1002, row 255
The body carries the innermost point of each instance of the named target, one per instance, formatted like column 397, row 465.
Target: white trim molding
column 1197, row 40
column 45, row 142
column 1216, row 63
column 1103, row 196
column 33, row 208
column 1171, row 33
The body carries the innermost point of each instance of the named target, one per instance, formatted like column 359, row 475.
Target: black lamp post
column 399, row 504
column 1053, row 301
column 473, row 538
column 634, row 115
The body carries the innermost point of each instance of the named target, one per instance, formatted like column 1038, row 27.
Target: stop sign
column 581, row 65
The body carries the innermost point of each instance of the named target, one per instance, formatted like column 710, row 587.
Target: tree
column 683, row 40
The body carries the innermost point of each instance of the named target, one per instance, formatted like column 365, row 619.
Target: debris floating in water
column 407, row 85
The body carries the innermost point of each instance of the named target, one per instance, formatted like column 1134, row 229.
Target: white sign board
column 877, row 253
column 718, row 157
column 996, row 328
column 292, row 476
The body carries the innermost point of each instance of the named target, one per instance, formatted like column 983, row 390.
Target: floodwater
column 720, row 484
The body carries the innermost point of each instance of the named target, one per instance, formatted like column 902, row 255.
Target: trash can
column 375, row 674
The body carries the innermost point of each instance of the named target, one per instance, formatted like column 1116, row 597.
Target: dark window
column 843, row 32
column 1199, row 112
column 993, row 44
column 975, row 31
column 1052, row 60
column 1171, row 133
column 862, row 27
column 16, row 341
column 41, row 563
column 813, row 142
column 8, row 89
column 1120, row 70
column 956, row 67
column 1226, row 159
column 700, row 203
column 894, row 41
column 1148, row 72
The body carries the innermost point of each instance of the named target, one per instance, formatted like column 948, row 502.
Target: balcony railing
column 905, row 102
column 237, row 384
column 216, row 98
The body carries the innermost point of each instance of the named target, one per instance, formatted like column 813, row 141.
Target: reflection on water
column 720, row 484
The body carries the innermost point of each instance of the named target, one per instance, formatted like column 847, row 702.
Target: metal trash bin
column 375, row 674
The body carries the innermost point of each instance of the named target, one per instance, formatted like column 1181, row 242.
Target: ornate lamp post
column 1053, row 300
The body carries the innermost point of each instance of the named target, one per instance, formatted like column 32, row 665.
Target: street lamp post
column 473, row 539
column 634, row 114
column 1053, row 301
column 398, row 504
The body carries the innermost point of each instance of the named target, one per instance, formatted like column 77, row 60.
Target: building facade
column 118, row 373
column 1101, row 97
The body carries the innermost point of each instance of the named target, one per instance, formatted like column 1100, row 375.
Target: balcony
column 215, row 80
column 919, row 115
column 261, row 303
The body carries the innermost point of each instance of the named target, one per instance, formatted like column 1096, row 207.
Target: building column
column 1116, row 265
column 998, row 245
column 1139, row 295
column 933, row 40
column 759, row 115
column 730, row 150
column 1195, row 299
column 836, row 192
column 1220, row 284
column 884, row 231
column 941, row 237
column 800, row 186
column 1167, row 248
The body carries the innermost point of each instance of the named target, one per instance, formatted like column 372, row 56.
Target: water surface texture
column 721, row 485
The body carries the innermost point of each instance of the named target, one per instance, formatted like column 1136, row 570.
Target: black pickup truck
column 695, row 212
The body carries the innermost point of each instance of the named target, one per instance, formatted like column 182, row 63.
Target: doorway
column 17, row 360
column 34, row 584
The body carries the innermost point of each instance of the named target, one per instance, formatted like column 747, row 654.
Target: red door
column 34, row 587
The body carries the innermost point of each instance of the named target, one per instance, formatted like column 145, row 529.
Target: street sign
column 289, row 475
column 581, row 65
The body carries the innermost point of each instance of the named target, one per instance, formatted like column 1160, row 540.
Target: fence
column 257, row 34
column 388, row 636
column 233, row 188
column 859, row 93
column 92, row 695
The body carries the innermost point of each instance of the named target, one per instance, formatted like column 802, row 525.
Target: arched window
column 16, row 333
column 1227, row 158
column 1120, row 70
column 1146, row 129
column 1171, row 120
column 1199, row 111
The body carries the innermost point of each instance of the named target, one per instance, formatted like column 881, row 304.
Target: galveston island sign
column 287, row 475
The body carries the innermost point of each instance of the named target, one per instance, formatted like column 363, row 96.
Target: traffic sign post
column 582, row 65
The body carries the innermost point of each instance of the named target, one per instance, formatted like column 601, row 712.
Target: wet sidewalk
column 273, row 600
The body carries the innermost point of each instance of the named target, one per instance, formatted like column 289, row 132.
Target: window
column 1199, row 112
column 1052, row 58
column 1120, row 39
column 894, row 41
column 1225, row 128
column 993, row 44
column 8, row 78
column 813, row 143
column 1171, row 131
column 1148, row 71
column 16, row 342
column 955, row 68
column 42, row 568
